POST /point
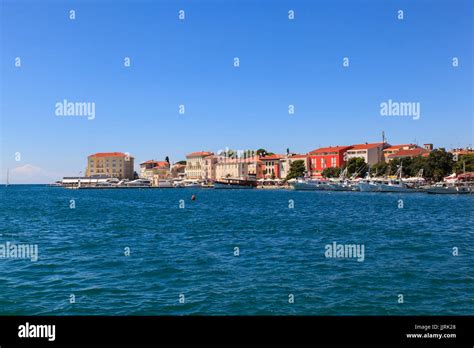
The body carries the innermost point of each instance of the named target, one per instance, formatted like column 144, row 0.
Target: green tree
column 167, row 159
column 380, row 168
column 331, row 172
column 439, row 164
column 263, row 153
column 467, row 160
column 412, row 166
column 297, row 170
column 181, row 162
column 355, row 164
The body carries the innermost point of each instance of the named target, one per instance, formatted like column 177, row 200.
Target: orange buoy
column 193, row 197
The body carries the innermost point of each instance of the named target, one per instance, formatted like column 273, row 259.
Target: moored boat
column 231, row 183
column 368, row 186
column 309, row 185
column 448, row 188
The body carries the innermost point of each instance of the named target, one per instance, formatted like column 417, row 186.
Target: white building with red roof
column 152, row 168
column 395, row 148
column 409, row 153
column 371, row 153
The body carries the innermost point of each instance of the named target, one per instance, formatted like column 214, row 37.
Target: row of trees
column 436, row 165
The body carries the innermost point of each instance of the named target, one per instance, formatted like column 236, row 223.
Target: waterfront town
column 322, row 168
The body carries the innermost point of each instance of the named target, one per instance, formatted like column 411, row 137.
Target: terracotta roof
column 329, row 149
column 108, row 154
column 463, row 152
column 161, row 164
column 271, row 157
column 154, row 162
column 409, row 153
column 298, row 156
column 396, row 147
column 199, row 154
column 365, row 146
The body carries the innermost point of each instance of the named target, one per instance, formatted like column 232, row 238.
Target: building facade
column 236, row 168
column 112, row 164
column 161, row 172
column 371, row 153
column 209, row 163
column 271, row 166
column 327, row 157
column 388, row 151
column 147, row 169
column 178, row 171
column 195, row 166
column 409, row 153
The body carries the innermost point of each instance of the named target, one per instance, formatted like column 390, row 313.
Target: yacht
column 310, row 185
column 142, row 183
column 163, row 183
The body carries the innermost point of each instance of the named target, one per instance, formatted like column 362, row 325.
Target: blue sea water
column 190, row 251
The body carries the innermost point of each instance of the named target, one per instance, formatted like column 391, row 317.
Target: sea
column 234, row 252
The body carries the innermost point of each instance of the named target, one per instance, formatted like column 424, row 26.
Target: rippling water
column 190, row 251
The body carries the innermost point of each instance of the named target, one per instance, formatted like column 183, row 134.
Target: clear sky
column 190, row 62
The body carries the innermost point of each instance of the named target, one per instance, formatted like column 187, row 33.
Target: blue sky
column 190, row 62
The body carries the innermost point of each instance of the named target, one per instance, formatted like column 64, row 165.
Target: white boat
column 310, row 185
column 340, row 185
column 449, row 188
column 191, row 184
column 136, row 183
column 368, row 186
column 165, row 184
column 394, row 186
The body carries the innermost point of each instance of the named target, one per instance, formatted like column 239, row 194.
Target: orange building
column 270, row 166
column 112, row 164
column 326, row 157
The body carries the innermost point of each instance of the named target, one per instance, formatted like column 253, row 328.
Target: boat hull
column 235, row 184
column 301, row 186
column 448, row 190
column 394, row 188
column 368, row 187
